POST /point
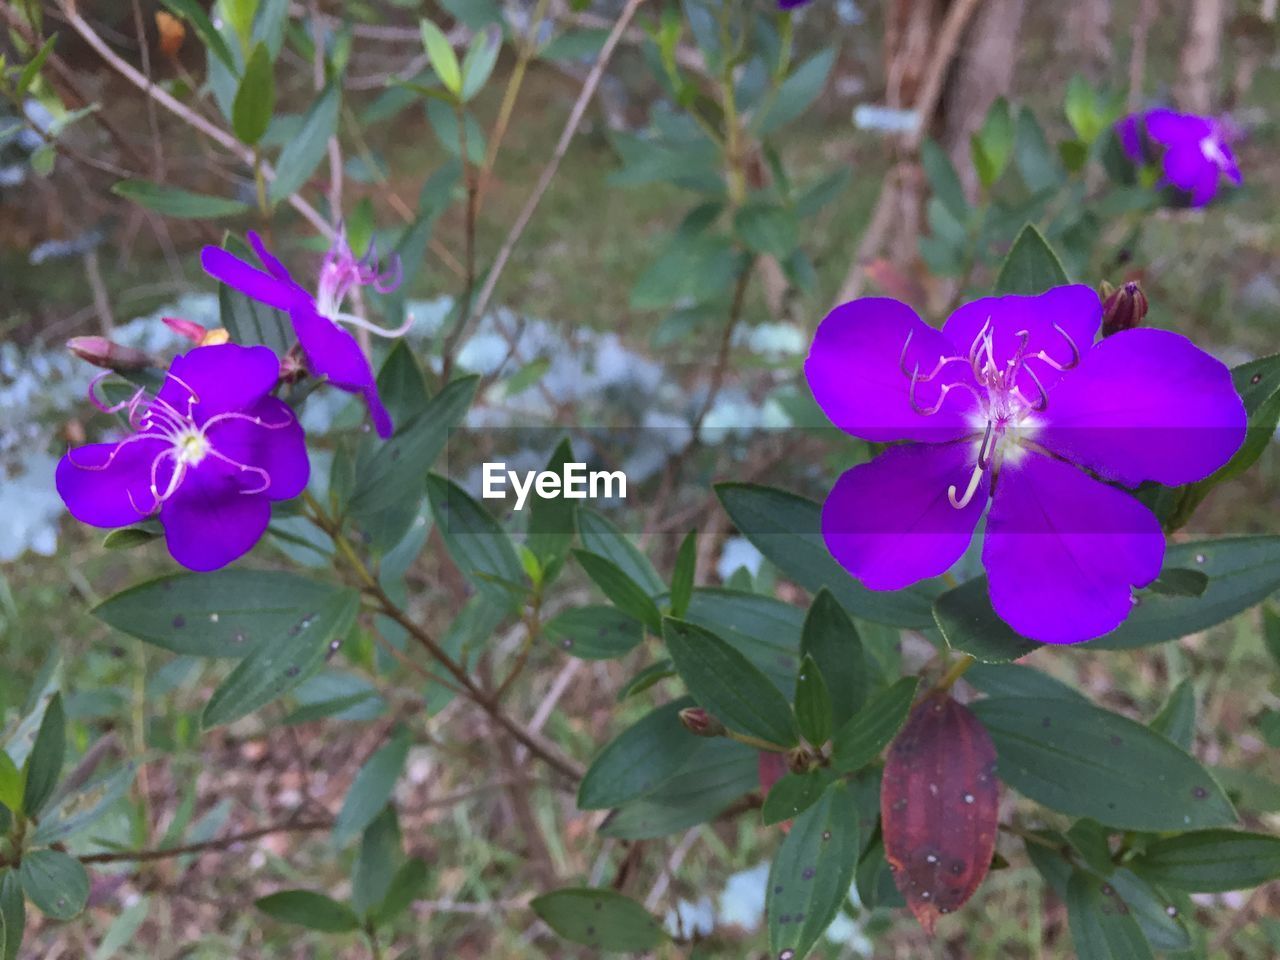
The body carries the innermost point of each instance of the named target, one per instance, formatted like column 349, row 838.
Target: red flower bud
column 186, row 328
column 1124, row 309
column 700, row 723
column 102, row 352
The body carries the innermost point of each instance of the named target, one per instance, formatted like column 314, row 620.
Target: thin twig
column 562, row 147
column 163, row 853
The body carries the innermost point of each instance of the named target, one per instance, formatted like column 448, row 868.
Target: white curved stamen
column 975, row 478
column 377, row 331
column 263, row 475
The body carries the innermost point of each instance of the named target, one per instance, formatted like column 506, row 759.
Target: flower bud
column 1123, row 309
column 700, row 723
column 185, row 328
column 102, row 352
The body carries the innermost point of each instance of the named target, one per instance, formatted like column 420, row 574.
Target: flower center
column 191, row 446
column 1211, row 150
column 1005, row 418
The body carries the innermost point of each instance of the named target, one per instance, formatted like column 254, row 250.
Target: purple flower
column 791, row 4
column 207, row 453
column 1194, row 151
column 1005, row 404
column 330, row 351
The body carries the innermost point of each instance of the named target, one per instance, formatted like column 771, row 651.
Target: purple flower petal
column 1063, row 551
column 1129, row 132
column 1185, row 165
column 1146, row 405
column 332, row 352
column 108, row 484
column 1074, row 308
column 855, row 366
column 269, row 260
column 277, row 447
column 224, row 376
column 253, row 283
column 890, row 523
column 1170, row 128
column 210, row 520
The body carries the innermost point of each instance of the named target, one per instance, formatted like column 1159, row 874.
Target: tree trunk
column 983, row 71
column 1198, row 64
column 1085, row 25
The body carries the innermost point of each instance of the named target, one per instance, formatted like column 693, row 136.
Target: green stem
column 956, row 671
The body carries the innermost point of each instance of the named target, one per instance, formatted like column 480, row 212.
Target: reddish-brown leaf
column 938, row 807
column 772, row 768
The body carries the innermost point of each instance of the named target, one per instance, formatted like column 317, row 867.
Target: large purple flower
column 1005, row 404
column 330, row 351
column 207, row 454
column 1194, row 151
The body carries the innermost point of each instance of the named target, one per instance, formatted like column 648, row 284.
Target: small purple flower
column 330, row 351
column 1005, row 404
column 207, row 453
column 791, row 4
column 1194, row 151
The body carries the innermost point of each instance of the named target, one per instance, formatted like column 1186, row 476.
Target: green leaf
column 304, row 151
column 812, row 872
column 32, row 68
column 820, row 196
column 376, row 863
column 640, row 759
column 371, row 788
column 813, row 703
column 860, row 740
column 601, row 537
column 14, row 913
column 599, row 918
column 682, row 575
column 54, row 882
column 786, row 528
column 1179, row 582
column 226, row 613
column 1015, row 680
column 1242, row 571
column 1177, row 718
column 650, row 676
column 763, row 629
column 478, row 64
column 1099, row 929
column 552, row 519
column 831, row 639
column 191, row 11
column 315, row 911
column 406, row 886
column 1083, row 761
column 767, row 228
column 443, row 60
column 1271, row 632
column 796, row 94
column 1090, row 840
column 389, row 477
column 1036, row 162
column 123, row 930
column 126, row 538
column 1031, row 266
column 944, row 181
column 239, row 15
column 10, row 784
column 719, row 773
column 44, row 764
column 992, row 145
column 176, row 202
column 1211, row 861
column 255, row 100
column 727, row 684
column 478, row 546
column 969, row 625
column 595, row 632
column 276, row 667
column 793, row 795
column 84, row 807
column 621, row 590
column 694, row 269
column 1163, row 930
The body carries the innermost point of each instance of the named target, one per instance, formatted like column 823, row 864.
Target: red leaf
column 938, row 807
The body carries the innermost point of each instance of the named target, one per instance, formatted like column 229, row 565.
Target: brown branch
column 164, row 853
